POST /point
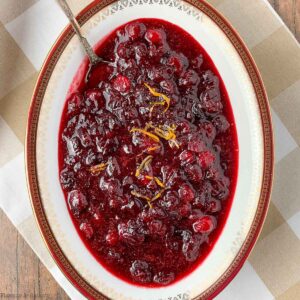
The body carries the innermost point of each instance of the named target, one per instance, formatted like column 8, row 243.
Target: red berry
column 206, row 159
column 112, row 238
column 196, row 145
column 95, row 95
column 186, row 193
column 123, row 50
column 86, row 229
column 77, row 201
column 74, row 103
column 189, row 78
column 185, row 209
column 221, row 123
column 157, row 227
column 205, row 224
column 193, row 172
column 164, row 278
column 129, row 233
column 213, row 206
column 179, row 62
column 140, row 271
column 135, row 30
column 122, row 84
column 186, row 157
column 97, row 219
column 154, row 36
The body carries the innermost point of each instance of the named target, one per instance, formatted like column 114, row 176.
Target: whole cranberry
column 123, row 50
column 206, row 159
column 112, row 237
column 84, row 136
column 97, row 219
column 220, row 187
column 169, row 201
column 135, row 30
column 77, row 201
column 117, row 202
column 169, row 86
column 206, row 224
column 210, row 79
column 157, row 227
column 155, row 36
column 211, row 101
column 208, row 130
column 221, row 123
column 193, row 172
column 67, row 179
column 186, row 193
column 197, row 62
column 185, row 209
column 129, row 233
column 163, row 278
column 111, row 185
column 186, row 157
column 74, row 103
column 141, row 51
column 122, row 84
column 213, row 206
column 140, row 271
column 189, row 78
column 191, row 247
column 196, row 145
column 86, row 229
column 179, row 62
column 94, row 100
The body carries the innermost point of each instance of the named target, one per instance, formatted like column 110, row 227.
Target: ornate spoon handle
column 87, row 47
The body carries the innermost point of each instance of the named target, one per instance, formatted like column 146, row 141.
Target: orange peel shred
column 166, row 100
column 145, row 132
column 146, row 161
column 97, row 169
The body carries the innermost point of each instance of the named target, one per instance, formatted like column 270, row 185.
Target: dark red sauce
column 148, row 154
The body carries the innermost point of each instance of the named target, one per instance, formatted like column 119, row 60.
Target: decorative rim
column 30, row 151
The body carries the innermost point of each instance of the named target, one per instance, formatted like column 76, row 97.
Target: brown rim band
column 67, row 268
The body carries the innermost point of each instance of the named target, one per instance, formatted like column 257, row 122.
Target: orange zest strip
column 152, row 148
column 174, row 142
column 158, row 195
column 146, row 161
column 159, row 182
column 156, row 94
column 136, row 194
column 168, row 133
column 96, row 170
column 151, row 135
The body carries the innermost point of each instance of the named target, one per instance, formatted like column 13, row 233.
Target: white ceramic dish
column 249, row 103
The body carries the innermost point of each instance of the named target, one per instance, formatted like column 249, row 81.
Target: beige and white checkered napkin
column 27, row 30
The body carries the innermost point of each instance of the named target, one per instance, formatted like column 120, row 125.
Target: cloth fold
column 28, row 28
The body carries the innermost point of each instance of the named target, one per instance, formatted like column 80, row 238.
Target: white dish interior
column 248, row 122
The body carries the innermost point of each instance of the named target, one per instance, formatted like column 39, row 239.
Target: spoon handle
column 87, row 47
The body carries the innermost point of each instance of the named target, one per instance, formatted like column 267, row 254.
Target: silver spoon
column 93, row 57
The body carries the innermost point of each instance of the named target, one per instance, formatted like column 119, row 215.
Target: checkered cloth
column 28, row 28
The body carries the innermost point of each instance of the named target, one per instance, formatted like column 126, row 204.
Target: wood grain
column 23, row 276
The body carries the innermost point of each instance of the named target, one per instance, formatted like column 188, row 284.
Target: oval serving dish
column 252, row 119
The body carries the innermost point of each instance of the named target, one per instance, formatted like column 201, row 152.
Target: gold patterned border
column 30, row 155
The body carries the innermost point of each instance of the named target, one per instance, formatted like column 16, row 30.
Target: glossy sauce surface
column 148, row 154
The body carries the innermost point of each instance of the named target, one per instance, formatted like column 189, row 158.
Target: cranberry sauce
column 148, row 154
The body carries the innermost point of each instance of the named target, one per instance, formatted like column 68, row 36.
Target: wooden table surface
column 23, row 276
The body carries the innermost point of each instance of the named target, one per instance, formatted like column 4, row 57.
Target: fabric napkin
column 28, row 28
